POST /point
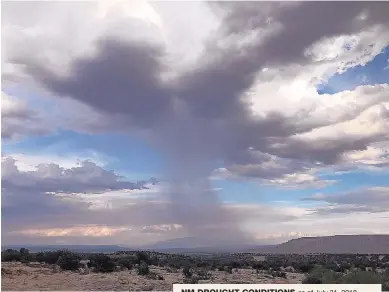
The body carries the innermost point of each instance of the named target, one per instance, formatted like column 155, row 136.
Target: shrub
column 303, row 267
column 191, row 280
column 142, row 257
column 24, row 251
column 187, row 272
column 278, row 274
column 331, row 277
column 25, row 260
column 10, row 255
column 203, row 275
column 40, row 257
column 125, row 262
column 311, row 280
column 228, row 269
column 69, row 261
column 25, row 256
column 143, row 269
column 361, row 277
column 101, row 263
column 50, row 257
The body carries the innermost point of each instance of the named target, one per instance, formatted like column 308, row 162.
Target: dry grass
column 17, row 276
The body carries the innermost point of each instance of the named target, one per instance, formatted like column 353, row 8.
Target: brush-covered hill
column 338, row 244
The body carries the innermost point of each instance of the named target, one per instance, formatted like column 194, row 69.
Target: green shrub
column 191, row 280
column 311, row 280
column 10, row 255
column 203, row 275
column 303, row 267
column 142, row 257
column 24, row 251
column 228, row 269
column 331, row 277
column 126, row 262
column 278, row 274
column 49, row 257
column 187, row 272
column 361, row 277
column 101, row 263
column 69, row 261
column 143, row 269
column 25, row 255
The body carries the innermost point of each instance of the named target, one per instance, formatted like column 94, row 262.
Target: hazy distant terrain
column 339, row 244
column 75, row 248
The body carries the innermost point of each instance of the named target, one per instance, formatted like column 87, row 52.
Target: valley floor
column 43, row 277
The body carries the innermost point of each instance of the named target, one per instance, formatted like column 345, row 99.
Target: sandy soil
column 17, row 276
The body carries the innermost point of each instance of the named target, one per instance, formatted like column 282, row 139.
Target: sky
column 137, row 122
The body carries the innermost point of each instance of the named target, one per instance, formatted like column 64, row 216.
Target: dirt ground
column 35, row 276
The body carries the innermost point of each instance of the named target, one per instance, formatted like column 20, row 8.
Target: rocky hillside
column 338, row 244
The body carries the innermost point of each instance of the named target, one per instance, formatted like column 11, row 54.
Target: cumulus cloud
column 272, row 170
column 49, row 192
column 87, row 177
column 93, row 231
column 161, row 228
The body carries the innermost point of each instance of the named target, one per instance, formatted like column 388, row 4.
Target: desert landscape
column 42, row 277
column 158, row 271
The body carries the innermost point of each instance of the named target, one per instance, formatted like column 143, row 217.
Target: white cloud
column 89, row 231
column 301, row 180
column 162, row 228
column 29, row 161
column 373, row 157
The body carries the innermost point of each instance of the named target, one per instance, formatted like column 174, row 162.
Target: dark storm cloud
column 123, row 78
column 328, row 152
column 303, row 23
column 214, row 89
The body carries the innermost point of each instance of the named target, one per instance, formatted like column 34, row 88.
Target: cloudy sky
column 137, row 122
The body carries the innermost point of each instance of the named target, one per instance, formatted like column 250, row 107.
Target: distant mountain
column 182, row 243
column 338, row 244
column 75, row 248
column 196, row 245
